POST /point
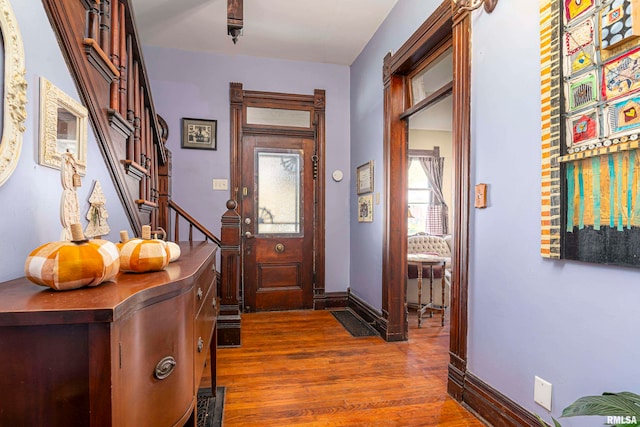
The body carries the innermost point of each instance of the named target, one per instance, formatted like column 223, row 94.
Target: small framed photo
column 365, row 208
column 365, row 177
column 199, row 134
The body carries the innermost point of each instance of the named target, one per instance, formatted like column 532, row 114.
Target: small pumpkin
column 144, row 255
column 174, row 251
column 73, row 264
column 174, row 248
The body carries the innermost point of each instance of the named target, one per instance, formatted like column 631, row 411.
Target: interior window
column 420, row 198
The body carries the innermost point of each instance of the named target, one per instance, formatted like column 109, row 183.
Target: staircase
column 100, row 43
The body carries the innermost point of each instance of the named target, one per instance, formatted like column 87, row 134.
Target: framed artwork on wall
column 365, row 208
column 199, row 134
column 365, row 178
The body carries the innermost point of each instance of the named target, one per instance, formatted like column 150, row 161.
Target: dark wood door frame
column 239, row 100
column 443, row 26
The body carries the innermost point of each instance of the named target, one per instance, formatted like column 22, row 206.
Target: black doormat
column 354, row 324
column 210, row 408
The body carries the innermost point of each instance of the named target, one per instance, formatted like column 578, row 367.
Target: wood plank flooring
column 302, row 368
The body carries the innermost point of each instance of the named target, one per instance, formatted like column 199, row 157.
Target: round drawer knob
column 164, row 367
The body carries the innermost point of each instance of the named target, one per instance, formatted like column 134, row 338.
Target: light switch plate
column 481, row 196
column 220, row 184
column 542, row 393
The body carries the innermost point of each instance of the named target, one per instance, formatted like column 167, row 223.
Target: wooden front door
column 277, row 215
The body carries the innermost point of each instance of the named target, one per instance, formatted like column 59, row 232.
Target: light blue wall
column 196, row 85
column 366, row 141
column 573, row 324
column 30, row 199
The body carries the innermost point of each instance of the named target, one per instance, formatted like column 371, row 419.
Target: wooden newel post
column 229, row 316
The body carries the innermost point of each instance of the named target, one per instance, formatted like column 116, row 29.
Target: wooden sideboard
column 125, row 353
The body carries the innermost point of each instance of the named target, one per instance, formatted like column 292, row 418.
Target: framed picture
column 63, row 128
column 199, row 134
column 365, row 208
column 365, row 177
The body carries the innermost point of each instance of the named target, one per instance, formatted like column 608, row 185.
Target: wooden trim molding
column 462, row 166
column 430, row 36
column 331, row 300
column 99, row 59
column 439, row 29
column 368, row 314
column 494, row 406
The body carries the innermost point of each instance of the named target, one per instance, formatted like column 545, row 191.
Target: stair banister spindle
column 115, row 55
column 92, row 27
column 136, row 112
column 123, row 64
column 105, row 24
column 130, row 99
column 176, row 226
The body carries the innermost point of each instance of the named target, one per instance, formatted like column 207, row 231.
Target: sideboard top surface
column 24, row 303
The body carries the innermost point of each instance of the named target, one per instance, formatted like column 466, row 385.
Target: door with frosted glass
column 277, row 215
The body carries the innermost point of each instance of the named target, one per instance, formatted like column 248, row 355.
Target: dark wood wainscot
column 125, row 353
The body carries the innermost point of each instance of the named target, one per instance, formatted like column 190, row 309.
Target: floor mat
column 354, row 324
column 210, row 408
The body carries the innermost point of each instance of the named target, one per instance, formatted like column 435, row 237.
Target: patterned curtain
column 438, row 220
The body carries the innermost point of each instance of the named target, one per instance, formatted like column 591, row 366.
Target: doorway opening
column 440, row 32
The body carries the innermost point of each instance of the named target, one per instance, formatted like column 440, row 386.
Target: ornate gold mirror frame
column 15, row 92
column 63, row 127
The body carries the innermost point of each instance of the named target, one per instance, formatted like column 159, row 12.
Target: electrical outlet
column 220, row 184
column 542, row 393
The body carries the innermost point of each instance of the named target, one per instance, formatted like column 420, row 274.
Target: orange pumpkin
column 144, row 255
column 73, row 264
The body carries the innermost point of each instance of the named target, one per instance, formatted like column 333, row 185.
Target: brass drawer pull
column 165, row 367
column 200, row 344
column 279, row 248
column 199, row 293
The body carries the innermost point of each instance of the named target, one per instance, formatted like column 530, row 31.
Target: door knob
column 248, row 235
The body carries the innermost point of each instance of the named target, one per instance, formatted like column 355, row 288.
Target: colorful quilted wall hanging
column 590, row 79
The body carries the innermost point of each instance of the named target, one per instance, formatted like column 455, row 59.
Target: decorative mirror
column 14, row 85
column 63, row 127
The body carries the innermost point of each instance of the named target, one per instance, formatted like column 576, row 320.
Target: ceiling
column 326, row 31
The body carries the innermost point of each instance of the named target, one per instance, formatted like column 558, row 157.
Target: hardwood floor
column 302, row 368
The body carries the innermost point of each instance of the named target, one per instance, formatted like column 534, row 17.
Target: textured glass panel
column 432, row 78
column 278, row 175
column 278, row 117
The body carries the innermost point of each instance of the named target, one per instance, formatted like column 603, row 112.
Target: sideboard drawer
column 155, row 370
column 205, row 321
column 204, row 283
